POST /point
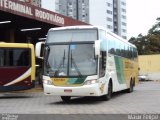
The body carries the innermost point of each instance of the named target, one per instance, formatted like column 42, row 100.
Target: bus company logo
column 9, row 117
column 59, row 79
column 102, row 88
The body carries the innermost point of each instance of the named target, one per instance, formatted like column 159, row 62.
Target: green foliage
column 155, row 28
column 150, row 43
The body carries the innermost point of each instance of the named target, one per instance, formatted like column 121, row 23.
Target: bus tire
column 131, row 88
column 66, row 98
column 109, row 94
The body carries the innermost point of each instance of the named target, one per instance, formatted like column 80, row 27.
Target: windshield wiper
column 61, row 63
column 49, row 71
column 47, row 50
column 75, row 65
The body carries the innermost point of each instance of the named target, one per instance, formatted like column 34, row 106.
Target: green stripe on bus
column 119, row 69
column 73, row 81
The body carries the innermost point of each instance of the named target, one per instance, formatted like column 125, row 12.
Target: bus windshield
column 70, row 60
column 70, row 35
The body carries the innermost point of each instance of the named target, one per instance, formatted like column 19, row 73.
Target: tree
column 155, row 28
column 150, row 43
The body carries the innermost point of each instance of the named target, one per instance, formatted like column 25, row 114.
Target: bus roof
column 121, row 39
column 77, row 27
column 15, row 45
column 92, row 27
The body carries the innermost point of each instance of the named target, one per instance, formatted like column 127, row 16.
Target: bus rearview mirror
column 39, row 50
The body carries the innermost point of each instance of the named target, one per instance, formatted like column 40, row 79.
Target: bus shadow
column 13, row 96
column 119, row 94
column 80, row 100
column 90, row 100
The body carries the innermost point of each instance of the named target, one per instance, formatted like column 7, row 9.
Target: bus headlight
column 48, row 82
column 89, row 82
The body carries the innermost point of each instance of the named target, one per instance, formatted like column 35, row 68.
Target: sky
column 141, row 16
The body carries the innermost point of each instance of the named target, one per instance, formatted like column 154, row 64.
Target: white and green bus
column 87, row 61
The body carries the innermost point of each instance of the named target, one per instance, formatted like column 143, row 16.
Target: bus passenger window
column 102, row 65
column 23, row 57
column 1, row 57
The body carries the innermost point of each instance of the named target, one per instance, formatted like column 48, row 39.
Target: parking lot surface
column 144, row 100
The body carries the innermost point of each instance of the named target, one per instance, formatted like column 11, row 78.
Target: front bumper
column 85, row 90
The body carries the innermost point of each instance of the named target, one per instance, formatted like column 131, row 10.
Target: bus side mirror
column 97, row 47
column 39, row 50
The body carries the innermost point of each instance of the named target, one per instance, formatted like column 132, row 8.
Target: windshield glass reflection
column 71, row 60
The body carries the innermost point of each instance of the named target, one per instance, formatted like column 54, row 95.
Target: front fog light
column 48, row 82
column 89, row 82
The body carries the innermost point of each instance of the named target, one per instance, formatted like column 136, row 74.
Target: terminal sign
column 31, row 11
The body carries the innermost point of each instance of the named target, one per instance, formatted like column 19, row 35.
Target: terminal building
column 24, row 22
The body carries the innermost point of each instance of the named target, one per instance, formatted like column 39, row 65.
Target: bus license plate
column 67, row 90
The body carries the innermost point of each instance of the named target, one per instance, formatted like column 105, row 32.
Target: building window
column 109, row 19
column 124, row 24
column 109, row 27
column 124, row 37
column 115, row 31
column 109, row 12
column 124, row 10
column 109, row 4
column 123, row 30
column 69, row 3
column 123, row 3
column 70, row 10
column 124, row 17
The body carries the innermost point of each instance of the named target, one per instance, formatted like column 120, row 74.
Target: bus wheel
column 131, row 88
column 109, row 95
column 66, row 98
